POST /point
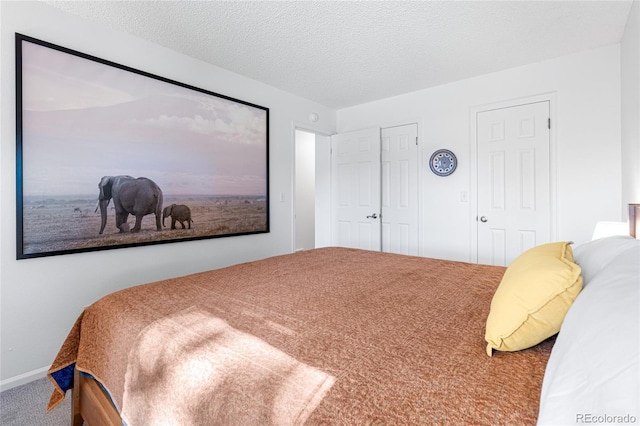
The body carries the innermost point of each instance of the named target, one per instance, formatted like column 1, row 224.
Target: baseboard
column 23, row 379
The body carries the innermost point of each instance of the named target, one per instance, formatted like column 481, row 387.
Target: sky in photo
column 83, row 120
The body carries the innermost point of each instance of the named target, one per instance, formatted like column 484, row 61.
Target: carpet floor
column 26, row 405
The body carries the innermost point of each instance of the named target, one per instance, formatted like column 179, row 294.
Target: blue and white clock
column 443, row 162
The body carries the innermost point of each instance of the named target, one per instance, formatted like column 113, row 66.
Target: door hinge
column 548, row 123
column 416, row 141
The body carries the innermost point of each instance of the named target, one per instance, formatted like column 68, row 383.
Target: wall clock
column 443, row 162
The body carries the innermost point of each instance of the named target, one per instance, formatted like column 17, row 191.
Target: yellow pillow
column 533, row 297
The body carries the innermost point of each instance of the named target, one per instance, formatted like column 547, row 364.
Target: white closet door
column 355, row 188
column 514, row 203
column 400, row 189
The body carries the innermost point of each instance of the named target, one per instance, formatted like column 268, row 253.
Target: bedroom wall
column 630, row 80
column 41, row 298
column 586, row 124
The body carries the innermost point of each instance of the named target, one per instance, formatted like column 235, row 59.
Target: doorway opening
column 312, row 190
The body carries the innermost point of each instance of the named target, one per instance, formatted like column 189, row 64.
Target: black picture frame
column 80, row 118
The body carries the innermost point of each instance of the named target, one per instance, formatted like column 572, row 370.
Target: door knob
column 483, row 219
column 373, row 216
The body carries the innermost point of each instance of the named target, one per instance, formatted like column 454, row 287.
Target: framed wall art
column 110, row 157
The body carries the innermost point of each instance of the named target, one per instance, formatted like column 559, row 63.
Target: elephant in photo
column 138, row 197
column 179, row 213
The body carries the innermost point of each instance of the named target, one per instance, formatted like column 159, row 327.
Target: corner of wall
column 630, row 108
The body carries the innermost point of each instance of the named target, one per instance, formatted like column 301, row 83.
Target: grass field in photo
column 70, row 223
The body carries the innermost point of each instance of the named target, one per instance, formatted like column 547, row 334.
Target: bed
column 328, row 336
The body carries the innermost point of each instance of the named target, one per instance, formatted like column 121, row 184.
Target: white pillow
column 596, row 254
column 594, row 367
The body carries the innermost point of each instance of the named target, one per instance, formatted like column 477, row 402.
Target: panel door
column 355, row 189
column 514, row 212
column 399, row 156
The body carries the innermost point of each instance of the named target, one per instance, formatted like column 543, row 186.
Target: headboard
column 634, row 220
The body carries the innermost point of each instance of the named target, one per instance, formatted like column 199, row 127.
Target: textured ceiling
column 343, row 53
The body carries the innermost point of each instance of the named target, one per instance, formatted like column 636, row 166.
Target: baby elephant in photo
column 179, row 213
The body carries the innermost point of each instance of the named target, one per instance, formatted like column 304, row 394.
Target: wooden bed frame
column 90, row 404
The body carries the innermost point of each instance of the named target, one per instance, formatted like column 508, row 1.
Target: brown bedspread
column 327, row 336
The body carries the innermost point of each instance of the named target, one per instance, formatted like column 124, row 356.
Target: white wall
column 586, row 123
column 630, row 76
column 41, row 298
